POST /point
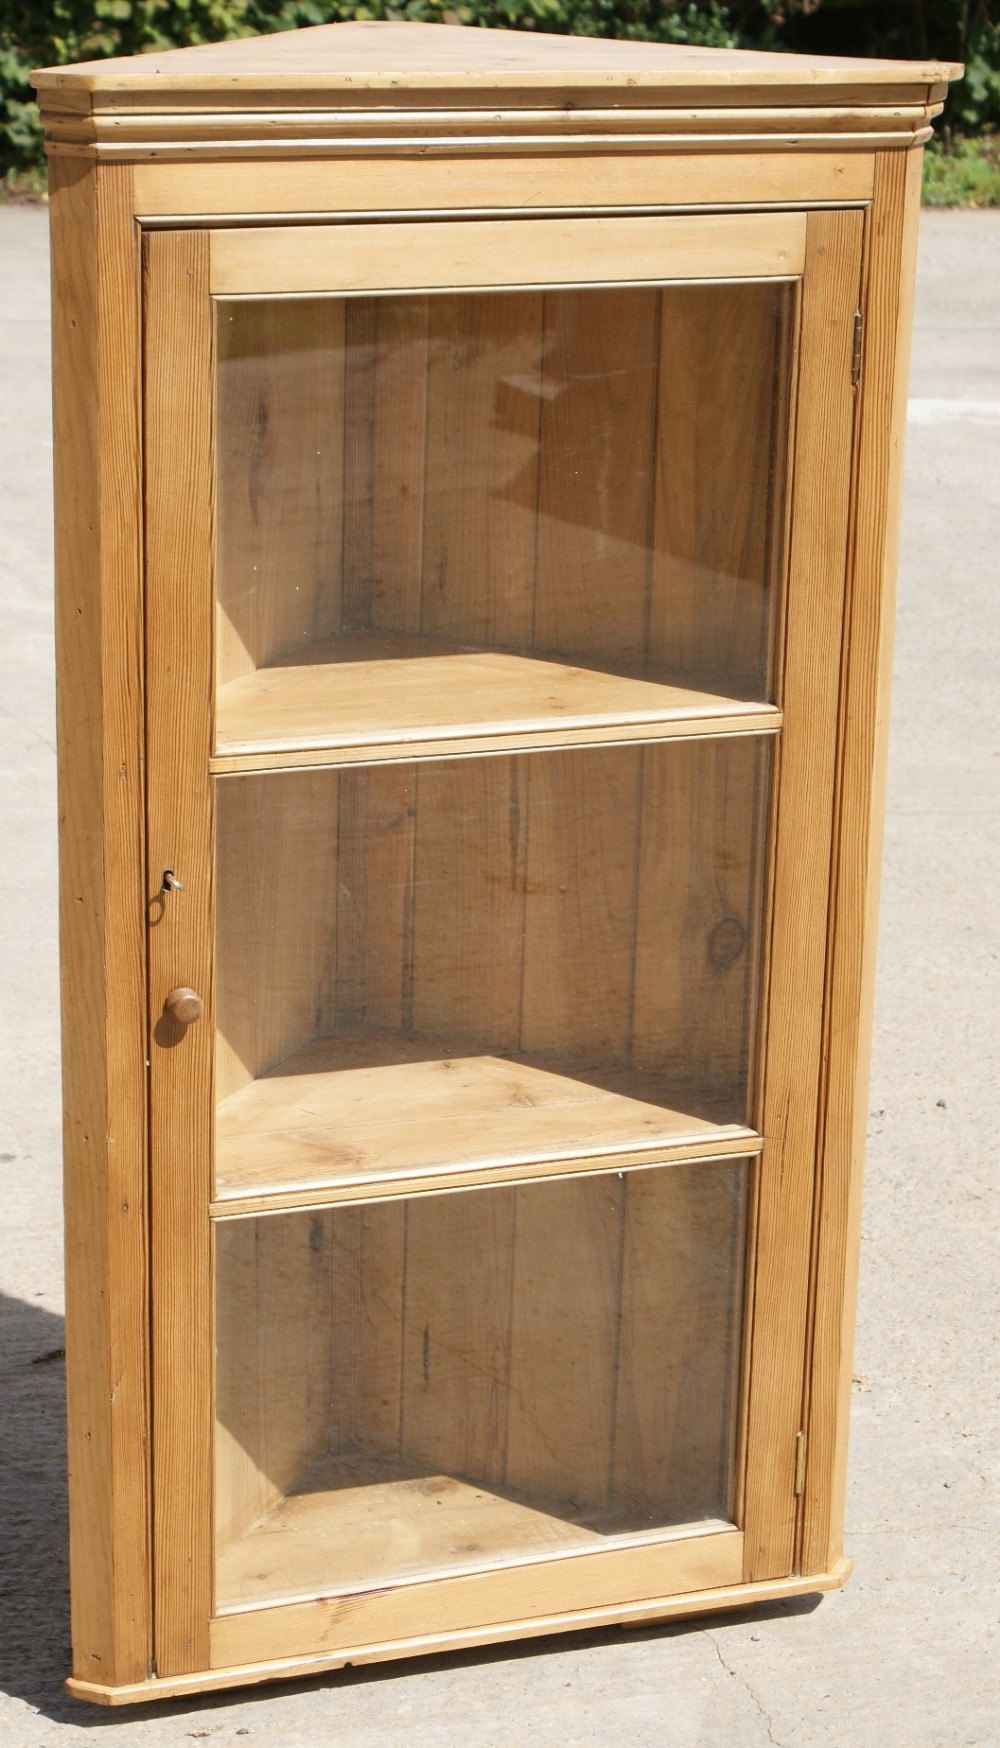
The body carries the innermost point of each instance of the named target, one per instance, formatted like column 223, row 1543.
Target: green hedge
column 74, row 30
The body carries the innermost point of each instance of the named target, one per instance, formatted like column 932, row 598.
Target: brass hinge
column 800, row 1463
column 859, row 324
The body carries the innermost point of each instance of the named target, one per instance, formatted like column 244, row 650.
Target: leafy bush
column 963, row 172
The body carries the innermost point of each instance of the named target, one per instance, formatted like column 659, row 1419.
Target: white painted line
column 951, row 412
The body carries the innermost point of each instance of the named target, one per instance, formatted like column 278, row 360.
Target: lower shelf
column 368, row 1107
column 360, row 1522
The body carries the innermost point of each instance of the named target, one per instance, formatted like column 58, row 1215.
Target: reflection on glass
column 482, row 962
column 449, row 1383
column 590, row 477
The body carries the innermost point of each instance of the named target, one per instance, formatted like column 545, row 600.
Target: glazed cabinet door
column 495, row 580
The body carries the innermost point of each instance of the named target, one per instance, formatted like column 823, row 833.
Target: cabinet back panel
column 600, row 908
column 592, row 473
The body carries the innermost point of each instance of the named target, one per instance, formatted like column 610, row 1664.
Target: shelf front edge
column 731, row 1141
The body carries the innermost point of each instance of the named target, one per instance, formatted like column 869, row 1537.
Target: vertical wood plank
column 374, row 897
column 864, row 722
column 468, row 921
column 179, row 373
column 599, row 363
column 564, row 1339
column 677, row 1402
column 276, row 919
column 699, row 916
column 385, row 414
column 280, row 426
column 718, row 439
column 483, row 391
column 579, row 912
column 801, row 879
column 456, row 1337
column 369, row 1275
column 96, row 360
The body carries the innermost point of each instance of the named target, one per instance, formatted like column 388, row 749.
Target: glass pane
column 486, row 962
column 447, row 1383
column 437, row 510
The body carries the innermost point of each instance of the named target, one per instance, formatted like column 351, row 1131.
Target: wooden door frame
column 180, row 325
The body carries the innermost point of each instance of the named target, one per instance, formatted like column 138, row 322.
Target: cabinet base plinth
column 646, row 1613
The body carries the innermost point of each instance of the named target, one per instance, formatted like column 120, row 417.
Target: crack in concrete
column 754, row 1695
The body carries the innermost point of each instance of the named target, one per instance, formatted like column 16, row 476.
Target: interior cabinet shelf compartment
column 473, row 634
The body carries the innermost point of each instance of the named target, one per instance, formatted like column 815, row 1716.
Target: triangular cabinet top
column 395, row 58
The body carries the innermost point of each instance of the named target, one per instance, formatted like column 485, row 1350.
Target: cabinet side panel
column 803, row 831
column 280, row 461
column 274, row 1335
column 564, row 1339
column 718, row 432
column 676, row 1397
column 96, row 375
column 888, row 301
column 276, row 927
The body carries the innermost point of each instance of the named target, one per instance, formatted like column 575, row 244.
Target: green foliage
column 74, row 30
column 963, row 172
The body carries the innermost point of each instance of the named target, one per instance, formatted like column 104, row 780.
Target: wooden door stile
column 181, row 828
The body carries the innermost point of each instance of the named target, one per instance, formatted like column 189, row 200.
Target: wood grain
column 864, row 722
column 379, row 697
column 280, row 430
column 448, row 253
column 386, row 415
column 579, row 917
column 367, row 1109
column 699, row 915
column 397, row 184
column 715, row 572
column 276, row 962
column 676, row 1402
column 481, row 468
column 808, row 690
column 181, row 827
column 599, row 371
column 96, row 363
column 651, row 1612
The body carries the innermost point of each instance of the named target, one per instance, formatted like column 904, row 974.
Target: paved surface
column 909, row 1653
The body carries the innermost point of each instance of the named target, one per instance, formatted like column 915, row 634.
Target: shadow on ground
column 34, row 1579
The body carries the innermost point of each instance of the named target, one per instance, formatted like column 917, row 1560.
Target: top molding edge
column 397, row 58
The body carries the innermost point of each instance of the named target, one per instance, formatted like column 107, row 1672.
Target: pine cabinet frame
column 237, row 171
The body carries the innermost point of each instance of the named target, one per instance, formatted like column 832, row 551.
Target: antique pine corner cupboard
column 477, row 469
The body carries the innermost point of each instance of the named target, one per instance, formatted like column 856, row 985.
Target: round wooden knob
column 184, row 1005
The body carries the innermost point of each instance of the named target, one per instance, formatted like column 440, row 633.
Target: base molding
column 648, row 1613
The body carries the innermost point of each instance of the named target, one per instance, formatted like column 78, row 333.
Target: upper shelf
column 366, row 697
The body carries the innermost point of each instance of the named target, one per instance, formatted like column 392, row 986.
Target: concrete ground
column 909, row 1653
